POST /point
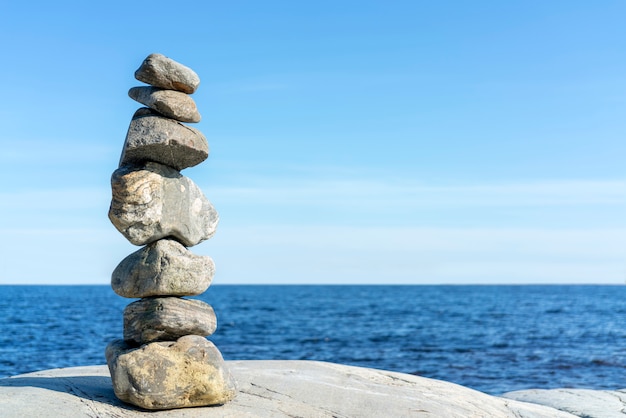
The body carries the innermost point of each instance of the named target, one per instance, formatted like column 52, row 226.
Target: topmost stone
column 161, row 71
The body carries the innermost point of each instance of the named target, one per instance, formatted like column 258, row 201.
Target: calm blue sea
column 491, row 338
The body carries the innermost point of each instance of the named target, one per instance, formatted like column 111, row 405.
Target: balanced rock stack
column 164, row 360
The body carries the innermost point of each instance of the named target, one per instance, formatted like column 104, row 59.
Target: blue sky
column 351, row 142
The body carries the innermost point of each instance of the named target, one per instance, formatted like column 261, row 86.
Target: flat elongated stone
column 166, row 375
column 170, row 103
column 155, row 201
column 152, row 137
column 167, row 318
column 161, row 71
column 162, row 268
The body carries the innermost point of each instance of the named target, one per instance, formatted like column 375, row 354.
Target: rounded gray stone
column 161, row 71
column 170, row 103
column 162, row 268
column 154, row 201
column 152, row 137
column 167, row 319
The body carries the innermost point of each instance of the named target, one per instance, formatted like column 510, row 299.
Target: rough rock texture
column 166, row 375
column 269, row 389
column 579, row 402
column 152, row 137
column 170, row 103
column 167, row 318
column 156, row 201
column 162, row 268
column 161, row 71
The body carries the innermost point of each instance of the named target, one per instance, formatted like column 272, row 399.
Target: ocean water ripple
column 491, row 338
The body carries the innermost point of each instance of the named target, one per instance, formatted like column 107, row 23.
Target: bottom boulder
column 170, row 374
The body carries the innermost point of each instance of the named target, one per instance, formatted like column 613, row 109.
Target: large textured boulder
column 154, row 201
column 162, row 268
column 282, row 389
column 170, row 103
column 166, row 375
column 161, row 71
column 152, row 137
column 167, row 318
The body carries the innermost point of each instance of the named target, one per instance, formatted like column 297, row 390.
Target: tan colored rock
column 162, row 268
column 152, row 137
column 170, row 103
column 161, row 71
column 154, row 201
column 166, row 375
column 167, row 319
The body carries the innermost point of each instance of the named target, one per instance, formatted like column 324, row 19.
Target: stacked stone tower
column 164, row 360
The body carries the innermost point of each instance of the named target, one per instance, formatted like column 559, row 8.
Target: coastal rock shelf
column 164, row 361
column 578, row 402
column 288, row 389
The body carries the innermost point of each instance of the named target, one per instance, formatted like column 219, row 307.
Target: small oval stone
column 170, row 103
column 161, row 71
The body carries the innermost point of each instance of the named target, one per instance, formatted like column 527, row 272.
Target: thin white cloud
column 374, row 201
column 70, row 199
column 281, row 254
column 60, row 255
column 251, row 86
column 597, row 243
column 329, row 254
column 255, row 248
column 337, row 192
column 55, row 151
column 371, row 201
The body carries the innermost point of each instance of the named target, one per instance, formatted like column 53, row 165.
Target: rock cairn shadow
column 164, row 360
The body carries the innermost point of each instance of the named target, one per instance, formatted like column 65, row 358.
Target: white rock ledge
column 281, row 388
column 586, row 403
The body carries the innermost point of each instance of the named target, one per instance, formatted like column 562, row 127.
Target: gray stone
column 269, row 388
column 167, row 319
column 162, row 268
column 166, row 375
column 152, row 137
column 154, row 201
column 579, row 402
column 161, row 71
column 170, row 103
